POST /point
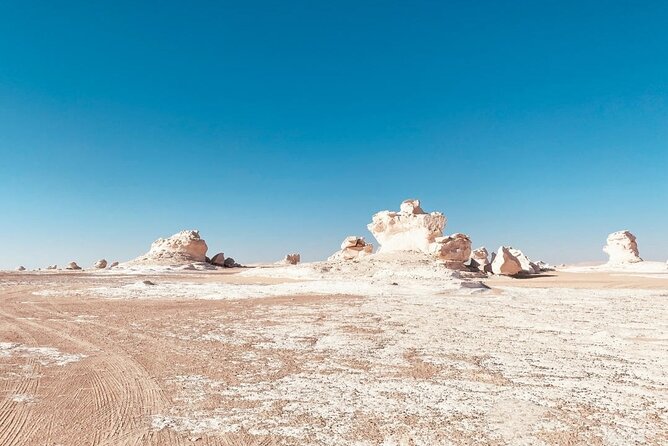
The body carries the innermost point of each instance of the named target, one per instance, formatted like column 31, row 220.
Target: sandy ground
column 224, row 359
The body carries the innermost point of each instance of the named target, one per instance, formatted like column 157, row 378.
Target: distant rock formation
column 218, row 259
column 100, row 264
column 352, row 248
column 479, row 260
column 410, row 229
column 73, row 266
column 179, row 249
column 452, row 250
column 621, row 247
column 21, row 268
column 113, row 265
column 52, row 267
column 230, row 263
column 291, row 259
column 505, row 263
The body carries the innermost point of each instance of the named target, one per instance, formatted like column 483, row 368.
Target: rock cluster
column 511, row 261
column 352, row 247
column 181, row 248
column 621, row 247
column 479, row 260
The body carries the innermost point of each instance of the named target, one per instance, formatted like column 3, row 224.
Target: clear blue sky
column 283, row 126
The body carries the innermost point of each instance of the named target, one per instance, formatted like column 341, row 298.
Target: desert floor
column 105, row 359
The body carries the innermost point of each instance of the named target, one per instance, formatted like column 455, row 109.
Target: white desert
column 418, row 340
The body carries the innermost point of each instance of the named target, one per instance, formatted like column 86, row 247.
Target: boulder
column 528, row 267
column 100, row 264
column 410, row 229
column 73, row 266
column 230, row 263
column 352, row 247
column 21, row 268
column 505, row 263
column 180, row 249
column 479, row 260
column 52, row 267
column 453, row 250
column 291, row 259
column 113, row 265
column 622, row 248
column 218, row 259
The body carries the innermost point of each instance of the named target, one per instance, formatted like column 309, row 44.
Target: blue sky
column 276, row 127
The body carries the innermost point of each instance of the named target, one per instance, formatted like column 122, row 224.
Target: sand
column 297, row 357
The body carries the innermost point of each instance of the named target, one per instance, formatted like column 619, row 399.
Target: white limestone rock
column 528, row 267
column 218, row 259
column 480, row 260
column 410, row 229
column 291, row 259
column 452, row 250
column 505, row 263
column 622, row 248
column 73, row 266
column 180, row 249
column 352, row 247
column 100, row 264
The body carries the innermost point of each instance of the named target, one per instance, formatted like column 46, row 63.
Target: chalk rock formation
column 352, row 248
column 73, row 266
column 410, row 229
column 453, row 250
column 21, row 268
column 100, row 264
column 291, row 259
column 621, row 246
column 113, row 265
column 52, row 267
column 181, row 248
column 480, row 260
column 544, row 266
column 528, row 267
column 218, row 259
column 506, row 263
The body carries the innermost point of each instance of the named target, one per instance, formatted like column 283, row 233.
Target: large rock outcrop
column 181, row 248
column 505, row 263
column 528, row 267
column 410, row 229
column 352, row 247
column 622, row 248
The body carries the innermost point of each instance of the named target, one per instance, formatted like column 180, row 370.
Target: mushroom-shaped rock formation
column 506, row 263
column 179, row 249
column 218, row 259
column 410, row 229
column 622, row 248
column 73, row 266
column 480, row 260
column 352, row 248
column 453, row 250
column 100, row 264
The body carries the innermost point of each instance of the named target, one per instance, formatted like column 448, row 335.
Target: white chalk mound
column 181, row 248
column 621, row 247
column 352, row 247
column 505, row 263
column 410, row 229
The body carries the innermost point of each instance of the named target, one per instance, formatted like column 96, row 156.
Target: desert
column 411, row 344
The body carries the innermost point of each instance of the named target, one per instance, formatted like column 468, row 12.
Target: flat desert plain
column 229, row 358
